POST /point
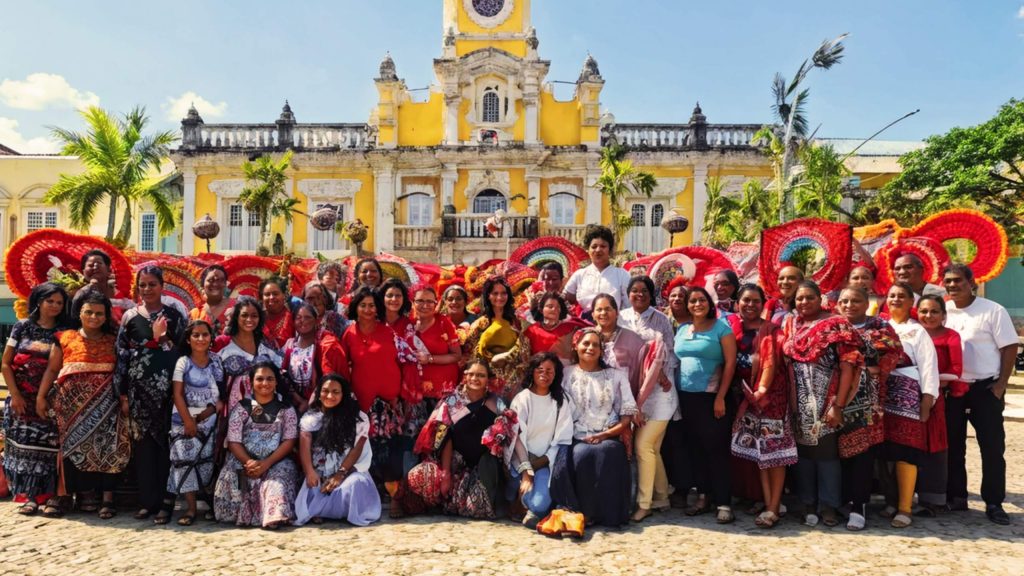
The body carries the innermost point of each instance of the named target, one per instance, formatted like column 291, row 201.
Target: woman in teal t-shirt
column 706, row 348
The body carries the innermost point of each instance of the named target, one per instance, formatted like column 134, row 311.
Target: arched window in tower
column 491, row 106
column 657, row 214
column 487, row 201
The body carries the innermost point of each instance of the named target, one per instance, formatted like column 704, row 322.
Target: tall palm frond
column 619, row 179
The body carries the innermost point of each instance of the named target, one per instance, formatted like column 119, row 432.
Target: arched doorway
column 487, row 201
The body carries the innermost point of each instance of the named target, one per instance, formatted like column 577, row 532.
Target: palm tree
column 619, row 179
column 264, row 193
column 819, row 187
column 717, row 212
column 119, row 160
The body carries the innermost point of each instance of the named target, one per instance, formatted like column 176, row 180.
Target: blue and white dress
column 192, row 458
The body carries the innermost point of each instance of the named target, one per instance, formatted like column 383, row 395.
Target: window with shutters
column 147, row 232
column 39, row 219
column 243, row 228
column 488, row 201
column 639, row 214
column 657, row 214
column 562, row 209
column 421, row 210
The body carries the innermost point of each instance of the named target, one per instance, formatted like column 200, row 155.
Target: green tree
column 979, row 167
column 818, row 189
column 717, row 213
column 619, row 179
column 265, row 194
column 119, row 164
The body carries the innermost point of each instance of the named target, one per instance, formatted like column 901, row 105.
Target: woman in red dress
column 442, row 352
column 933, row 465
column 217, row 309
column 279, row 325
column 552, row 328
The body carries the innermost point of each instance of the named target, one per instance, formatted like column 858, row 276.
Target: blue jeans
column 537, row 500
column 819, row 482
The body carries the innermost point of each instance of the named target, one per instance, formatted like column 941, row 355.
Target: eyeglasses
column 425, row 302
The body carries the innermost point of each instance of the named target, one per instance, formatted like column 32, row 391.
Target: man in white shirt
column 600, row 277
column 990, row 348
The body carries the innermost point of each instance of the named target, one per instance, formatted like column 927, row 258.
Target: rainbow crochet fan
column 783, row 243
column 930, row 251
column 993, row 247
column 550, row 249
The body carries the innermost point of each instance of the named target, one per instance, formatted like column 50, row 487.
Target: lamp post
column 675, row 223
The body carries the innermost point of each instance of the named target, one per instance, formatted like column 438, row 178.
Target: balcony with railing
column 475, row 226
column 695, row 135
column 416, row 237
column 572, row 232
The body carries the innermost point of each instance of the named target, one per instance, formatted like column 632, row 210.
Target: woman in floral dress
column 30, row 446
column 259, row 481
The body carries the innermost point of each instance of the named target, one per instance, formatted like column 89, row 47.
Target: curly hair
column 599, row 233
column 509, row 312
column 537, row 310
column 236, row 312
column 361, row 294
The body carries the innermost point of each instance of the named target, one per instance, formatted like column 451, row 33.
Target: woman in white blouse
column 911, row 391
column 545, row 425
column 592, row 475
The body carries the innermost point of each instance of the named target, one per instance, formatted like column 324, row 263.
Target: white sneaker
column 811, row 520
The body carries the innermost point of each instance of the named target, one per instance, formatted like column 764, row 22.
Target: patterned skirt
column 192, row 458
column 473, row 493
column 903, row 424
column 389, row 440
column 766, row 441
column 30, row 452
column 261, row 501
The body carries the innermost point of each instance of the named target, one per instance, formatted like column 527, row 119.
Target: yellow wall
column 362, row 207
column 559, row 121
column 420, row 123
column 545, row 194
column 514, row 47
column 402, row 207
column 515, row 23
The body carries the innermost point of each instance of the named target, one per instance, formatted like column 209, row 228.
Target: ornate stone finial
column 193, row 116
column 449, row 37
column 590, row 72
column 286, row 114
column 531, row 38
column 698, row 116
column 387, row 69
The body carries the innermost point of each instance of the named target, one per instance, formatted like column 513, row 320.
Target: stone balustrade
column 270, row 137
column 681, row 136
column 573, row 233
column 416, row 237
column 475, row 226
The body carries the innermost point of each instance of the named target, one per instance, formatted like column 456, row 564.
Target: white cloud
column 12, row 138
column 177, row 108
column 1020, row 13
column 41, row 90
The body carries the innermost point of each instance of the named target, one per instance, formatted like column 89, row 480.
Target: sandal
column 107, row 511
column 766, row 519
column 756, row 508
column 209, row 516
column 927, row 511
column 701, row 506
column 187, row 520
column 317, row 520
column 887, row 512
column 164, row 515
column 142, row 514
column 640, row 514
column 829, row 517
column 901, row 520
column 53, row 508
column 725, row 515
column 28, row 508
column 395, row 511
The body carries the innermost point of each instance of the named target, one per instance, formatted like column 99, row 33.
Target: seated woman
column 552, row 326
column 462, row 444
column 592, row 475
column 336, row 458
column 259, row 480
column 545, row 425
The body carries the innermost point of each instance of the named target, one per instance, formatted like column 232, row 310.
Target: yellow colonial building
column 424, row 174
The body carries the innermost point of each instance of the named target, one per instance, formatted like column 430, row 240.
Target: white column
column 532, row 136
column 533, row 195
column 188, row 219
column 451, row 120
column 448, row 179
column 593, row 201
column 384, row 209
column 700, row 199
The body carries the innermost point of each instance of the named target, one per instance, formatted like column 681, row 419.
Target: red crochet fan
column 781, row 243
column 246, row 272
column 27, row 260
column 988, row 237
column 929, row 250
column 706, row 259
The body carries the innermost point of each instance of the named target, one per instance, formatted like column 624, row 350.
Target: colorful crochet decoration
column 744, row 256
column 988, row 237
column 551, row 249
column 666, row 269
column 930, row 251
column 246, row 272
column 782, row 243
column 28, row 260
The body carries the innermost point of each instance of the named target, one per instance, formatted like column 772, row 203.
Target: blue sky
column 955, row 60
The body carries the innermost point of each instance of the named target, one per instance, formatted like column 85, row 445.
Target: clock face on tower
column 488, row 13
column 488, row 8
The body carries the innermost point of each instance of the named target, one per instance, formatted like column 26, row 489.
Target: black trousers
column 985, row 413
column 707, row 454
column 858, row 475
column 152, row 464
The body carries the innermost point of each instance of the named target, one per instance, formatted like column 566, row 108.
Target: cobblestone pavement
column 956, row 543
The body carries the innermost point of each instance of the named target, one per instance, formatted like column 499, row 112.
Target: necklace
column 365, row 338
column 549, row 325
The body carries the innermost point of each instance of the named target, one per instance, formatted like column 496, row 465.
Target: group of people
column 589, row 405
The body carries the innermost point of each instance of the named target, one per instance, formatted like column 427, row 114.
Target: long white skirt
column 356, row 501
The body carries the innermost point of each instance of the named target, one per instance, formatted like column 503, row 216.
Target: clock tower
column 470, row 25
